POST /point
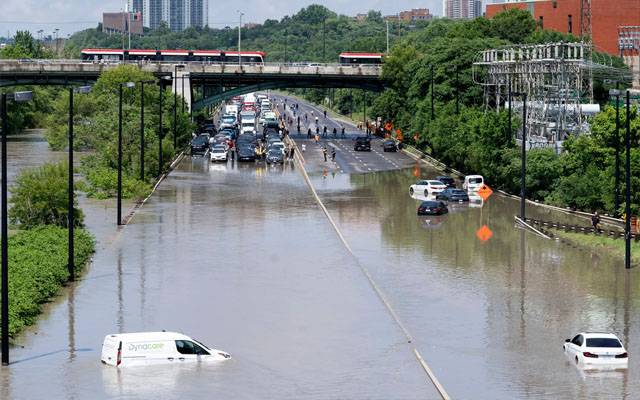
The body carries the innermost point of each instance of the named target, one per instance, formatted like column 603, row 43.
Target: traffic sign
column 485, row 192
column 484, row 233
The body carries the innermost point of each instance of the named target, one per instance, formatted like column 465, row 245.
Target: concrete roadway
column 347, row 160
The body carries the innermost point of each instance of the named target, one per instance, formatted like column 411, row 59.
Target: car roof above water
column 148, row 336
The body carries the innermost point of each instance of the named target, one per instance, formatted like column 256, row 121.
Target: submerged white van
column 144, row 348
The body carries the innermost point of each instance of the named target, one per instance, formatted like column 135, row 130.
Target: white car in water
column 147, row 348
column 219, row 153
column 427, row 187
column 590, row 349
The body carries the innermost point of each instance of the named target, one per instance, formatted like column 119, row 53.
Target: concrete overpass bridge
column 204, row 84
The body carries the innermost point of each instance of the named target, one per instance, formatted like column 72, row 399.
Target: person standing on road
column 317, row 130
column 292, row 153
column 335, row 132
column 333, row 154
column 343, row 134
column 595, row 220
column 324, row 131
column 324, row 153
column 304, row 148
column 309, row 133
column 325, row 114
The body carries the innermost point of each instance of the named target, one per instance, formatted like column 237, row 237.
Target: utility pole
column 510, row 132
column 432, row 96
column 160, row 130
column 70, row 188
column 627, row 223
column 324, row 42
column 387, row 37
column 523, row 183
column 5, row 235
column 240, row 39
column 457, row 93
column 616, row 203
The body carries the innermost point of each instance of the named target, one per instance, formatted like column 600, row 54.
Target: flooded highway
column 240, row 257
column 490, row 317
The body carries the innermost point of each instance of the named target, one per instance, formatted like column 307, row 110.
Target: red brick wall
column 606, row 17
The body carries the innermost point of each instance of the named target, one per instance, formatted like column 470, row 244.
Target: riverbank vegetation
column 96, row 130
column 38, row 258
column 600, row 244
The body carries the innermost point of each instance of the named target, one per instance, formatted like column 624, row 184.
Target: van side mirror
column 567, row 340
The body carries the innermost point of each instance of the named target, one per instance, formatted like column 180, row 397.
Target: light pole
column 71, row 191
column 160, row 127
column 285, row 45
column 324, row 41
column 119, row 196
column 627, row 211
column 142, row 128
column 432, row 96
column 4, row 297
column 175, row 105
column 387, row 37
column 457, row 93
column 616, row 202
column 523, row 184
column 240, row 38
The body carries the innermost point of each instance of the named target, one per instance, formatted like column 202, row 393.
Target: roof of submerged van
column 152, row 336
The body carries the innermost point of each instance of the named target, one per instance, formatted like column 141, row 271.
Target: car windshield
column 436, row 183
column 475, row 180
column 458, row 191
column 429, row 204
column 218, row 150
column 275, row 152
column 228, row 119
column 603, row 342
column 201, row 140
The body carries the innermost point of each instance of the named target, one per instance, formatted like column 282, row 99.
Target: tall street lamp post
column 175, row 105
column 119, row 196
column 142, row 144
column 4, row 297
column 70, row 210
column 240, row 38
column 627, row 211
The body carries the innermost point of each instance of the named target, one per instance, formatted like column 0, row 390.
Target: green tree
column 40, row 197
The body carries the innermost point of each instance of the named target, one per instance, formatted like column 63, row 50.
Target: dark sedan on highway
column 246, row 153
column 447, row 180
column 275, row 156
column 451, row 194
column 362, row 144
column 431, row 207
column 199, row 144
column 389, row 145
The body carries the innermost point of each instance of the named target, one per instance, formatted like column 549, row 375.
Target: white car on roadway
column 145, row 348
column 596, row 349
column 473, row 183
column 427, row 187
column 219, row 153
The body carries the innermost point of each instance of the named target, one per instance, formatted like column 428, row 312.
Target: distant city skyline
column 70, row 16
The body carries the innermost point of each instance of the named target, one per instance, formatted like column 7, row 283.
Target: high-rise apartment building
column 466, row 9
column 178, row 14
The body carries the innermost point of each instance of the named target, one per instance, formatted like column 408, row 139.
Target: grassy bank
column 601, row 244
column 38, row 269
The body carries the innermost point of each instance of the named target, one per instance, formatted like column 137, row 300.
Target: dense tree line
column 477, row 140
column 313, row 34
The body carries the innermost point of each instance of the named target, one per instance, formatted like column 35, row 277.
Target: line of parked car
column 442, row 190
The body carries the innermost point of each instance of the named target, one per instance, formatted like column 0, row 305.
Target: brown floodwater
column 489, row 305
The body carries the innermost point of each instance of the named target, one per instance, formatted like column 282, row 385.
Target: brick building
column 121, row 22
column 416, row 14
column 565, row 16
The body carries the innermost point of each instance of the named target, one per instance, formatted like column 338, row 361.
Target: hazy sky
column 73, row 15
